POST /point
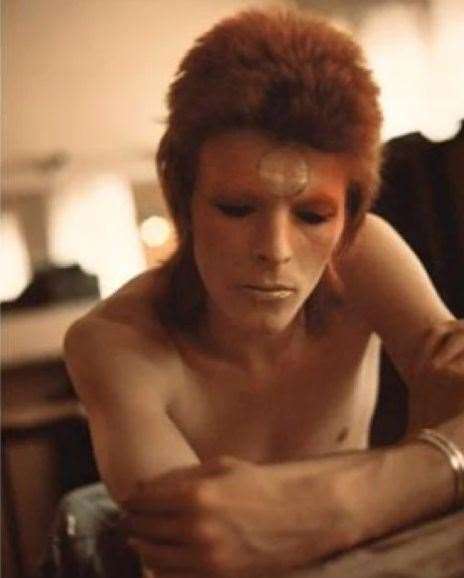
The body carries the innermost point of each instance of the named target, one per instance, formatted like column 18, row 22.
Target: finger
column 173, row 529
column 439, row 336
column 446, row 345
column 177, row 489
column 453, row 348
column 163, row 557
column 156, row 505
column 180, row 498
column 160, row 498
column 223, row 464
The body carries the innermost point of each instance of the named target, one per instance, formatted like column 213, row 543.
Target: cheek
column 318, row 245
column 216, row 249
column 210, row 237
column 333, row 236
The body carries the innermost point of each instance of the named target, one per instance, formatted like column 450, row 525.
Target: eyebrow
column 303, row 198
column 320, row 199
column 240, row 194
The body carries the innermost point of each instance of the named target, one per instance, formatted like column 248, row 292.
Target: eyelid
column 235, row 209
column 314, row 217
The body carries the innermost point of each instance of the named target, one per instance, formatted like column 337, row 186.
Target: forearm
column 278, row 517
column 407, row 483
column 137, row 447
column 415, row 480
column 378, row 491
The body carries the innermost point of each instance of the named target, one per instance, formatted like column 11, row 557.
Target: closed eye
column 235, row 211
column 312, row 218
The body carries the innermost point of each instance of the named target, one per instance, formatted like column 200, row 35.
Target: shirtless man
column 230, row 393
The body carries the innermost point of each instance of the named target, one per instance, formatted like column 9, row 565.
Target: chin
column 267, row 323
column 259, row 317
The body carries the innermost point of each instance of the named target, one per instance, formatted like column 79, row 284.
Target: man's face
column 266, row 220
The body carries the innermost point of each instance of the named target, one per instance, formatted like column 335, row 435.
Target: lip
column 268, row 292
column 269, row 288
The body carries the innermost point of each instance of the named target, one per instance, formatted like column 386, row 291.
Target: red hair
column 282, row 72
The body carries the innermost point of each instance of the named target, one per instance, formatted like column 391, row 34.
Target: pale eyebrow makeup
column 284, row 171
column 319, row 202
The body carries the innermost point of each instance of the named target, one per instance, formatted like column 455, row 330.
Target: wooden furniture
column 40, row 416
column 36, row 334
column 434, row 549
column 93, row 543
column 44, row 447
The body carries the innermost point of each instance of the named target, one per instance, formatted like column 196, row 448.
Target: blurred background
column 83, row 88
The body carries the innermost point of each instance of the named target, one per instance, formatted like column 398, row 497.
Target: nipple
column 284, row 171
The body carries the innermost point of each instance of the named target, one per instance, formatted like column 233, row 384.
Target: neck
column 254, row 351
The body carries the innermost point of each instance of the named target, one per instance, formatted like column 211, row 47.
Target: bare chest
column 322, row 403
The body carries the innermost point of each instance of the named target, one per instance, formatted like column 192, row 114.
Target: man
column 230, row 393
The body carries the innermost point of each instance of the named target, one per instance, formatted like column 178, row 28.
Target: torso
column 322, row 401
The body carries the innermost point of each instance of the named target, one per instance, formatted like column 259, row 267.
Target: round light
column 155, row 231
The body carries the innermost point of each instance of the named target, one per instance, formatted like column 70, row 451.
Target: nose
column 272, row 239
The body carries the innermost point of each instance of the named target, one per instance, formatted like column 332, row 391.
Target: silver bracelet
column 455, row 457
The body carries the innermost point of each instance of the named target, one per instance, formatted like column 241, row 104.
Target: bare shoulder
column 121, row 341
column 372, row 264
column 379, row 270
column 375, row 237
column 125, row 370
column 135, row 303
column 391, row 289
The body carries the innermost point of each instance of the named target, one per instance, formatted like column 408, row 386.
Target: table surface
column 37, row 395
column 434, row 549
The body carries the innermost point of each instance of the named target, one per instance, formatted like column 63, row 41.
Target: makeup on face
column 284, row 171
column 266, row 218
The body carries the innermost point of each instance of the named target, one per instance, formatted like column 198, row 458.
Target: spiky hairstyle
column 282, row 72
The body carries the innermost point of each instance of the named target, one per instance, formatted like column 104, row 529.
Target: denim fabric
column 87, row 540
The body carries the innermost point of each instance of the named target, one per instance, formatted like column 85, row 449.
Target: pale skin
column 241, row 449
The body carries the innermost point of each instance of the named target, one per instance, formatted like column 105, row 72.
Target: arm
column 122, row 379
column 271, row 518
column 392, row 291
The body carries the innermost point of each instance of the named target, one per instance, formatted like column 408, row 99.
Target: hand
column 231, row 518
